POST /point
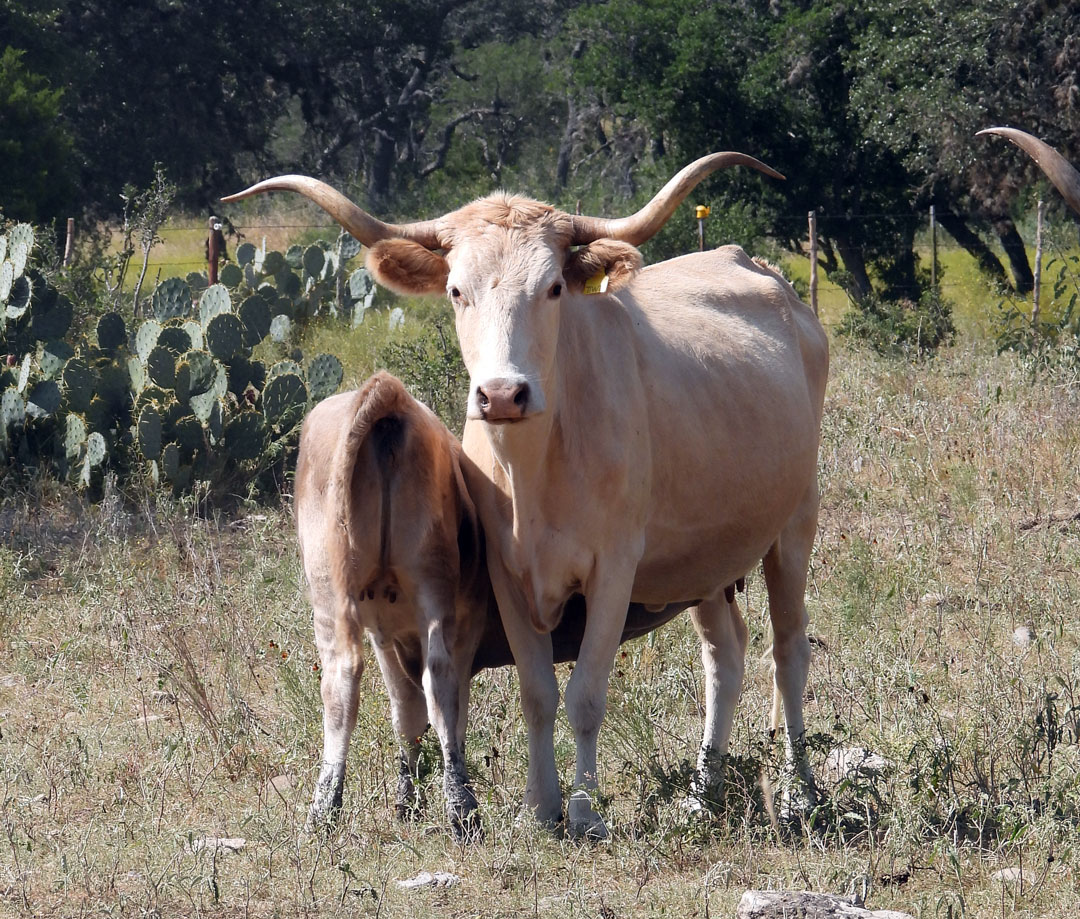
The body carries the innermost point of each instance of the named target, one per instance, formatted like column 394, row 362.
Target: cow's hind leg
column 408, row 713
column 723, row 635
column 785, row 567
column 341, row 655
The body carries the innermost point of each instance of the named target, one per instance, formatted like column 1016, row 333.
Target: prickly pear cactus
column 255, row 315
column 214, row 301
column 111, row 332
column 231, row 275
column 224, row 335
column 171, row 300
column 284, row 401
column 146, row 339
column 244, row 435
column 148, row 432
column 324, row 376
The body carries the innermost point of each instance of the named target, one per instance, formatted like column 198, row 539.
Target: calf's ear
column 407, row 267
column 618, row 260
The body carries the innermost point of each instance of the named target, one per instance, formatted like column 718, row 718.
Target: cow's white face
column 507, row 290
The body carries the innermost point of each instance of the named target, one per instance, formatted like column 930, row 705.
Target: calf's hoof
column 326, row 803
column 461, row 811
column 584, row 821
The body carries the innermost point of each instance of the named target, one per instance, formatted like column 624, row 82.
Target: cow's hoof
column 584, row 821
column 461, row 811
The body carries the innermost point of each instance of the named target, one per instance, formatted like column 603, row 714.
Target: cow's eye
column 556, row 291
column 454, row 293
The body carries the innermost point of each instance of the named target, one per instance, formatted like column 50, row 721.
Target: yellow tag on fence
column 597, row 284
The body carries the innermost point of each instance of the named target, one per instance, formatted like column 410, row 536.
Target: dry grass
column 157, row 686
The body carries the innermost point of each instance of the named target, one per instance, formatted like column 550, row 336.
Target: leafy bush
column 1055, row 339
column 901, row 327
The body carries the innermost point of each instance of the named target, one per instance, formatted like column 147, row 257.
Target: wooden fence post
column 212, row 250
column 933, row 250
column 1037, row 280
column 69, row 243
column 813, row 261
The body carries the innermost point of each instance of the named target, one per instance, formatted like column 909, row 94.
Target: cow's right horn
column 369, row 230
column 646, row 223
column 1058, row 169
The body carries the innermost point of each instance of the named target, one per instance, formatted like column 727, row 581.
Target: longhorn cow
column 652, row 441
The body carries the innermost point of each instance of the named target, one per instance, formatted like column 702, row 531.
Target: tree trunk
column 855, row 265
column 562, row 165
column 382, row 165
column 1017, row 255
column 973, row 244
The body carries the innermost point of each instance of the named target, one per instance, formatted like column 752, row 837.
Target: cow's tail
column 767, row 792
column 382, row 410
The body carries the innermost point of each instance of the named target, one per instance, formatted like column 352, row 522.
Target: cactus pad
column 111, row 332
column 284, row 400
column 137, row 374
column 53, row 356
column 171, row 299
column 161, row 367
column 74, row 435
column 231, row 275
column 12, row 409
column 148, row 432
column 20, row 243
column 224, row 335
column 324, row 376
column 78, row 384
column 24, row 374
column 283, row 367
column 195, row 374
column 245, row 254
column 51, row 318
column 214, row 301
column 244, row 436
column 189, row 435
column 96, row 448
column 146, row 338
column 273, row 262
column 348, row 246
column 175, row 338
column 255, row 314
column 280, row 328
column 18, row 300
column 7, row 278
column 43, row 399
column 313, row 259
column 170, row 461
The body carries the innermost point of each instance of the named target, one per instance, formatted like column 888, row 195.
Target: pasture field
column 159, row 690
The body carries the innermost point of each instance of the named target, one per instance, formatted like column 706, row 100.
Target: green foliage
column 158, row 404
column 1055, row 338
column 35, row 147
column 432, row 368
column 901, row 327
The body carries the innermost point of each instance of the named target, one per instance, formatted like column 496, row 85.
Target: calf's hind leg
column 341, row 654
column 409, row 716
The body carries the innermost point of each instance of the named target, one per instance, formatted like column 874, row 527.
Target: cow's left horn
column 1058, row 169
column 369, row 230
column 642, row 226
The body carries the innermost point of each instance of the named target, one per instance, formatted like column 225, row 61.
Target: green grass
column 158, row 686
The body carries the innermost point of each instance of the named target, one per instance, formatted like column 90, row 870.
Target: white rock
column 221, row 845
column 428, row 879
column 775, row 904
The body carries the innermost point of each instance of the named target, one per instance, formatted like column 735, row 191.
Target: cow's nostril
column 482, row 398
column 521, row 397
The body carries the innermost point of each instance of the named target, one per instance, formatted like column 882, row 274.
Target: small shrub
column 1056, row 338
column 901, row 327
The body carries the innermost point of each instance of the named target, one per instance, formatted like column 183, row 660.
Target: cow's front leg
column 539, row 696
column 341, row 655
column 720, row 626
column 408, row 712
column 446, row 705
column 607, row 598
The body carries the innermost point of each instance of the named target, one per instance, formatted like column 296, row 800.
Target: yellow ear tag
column 597, row 284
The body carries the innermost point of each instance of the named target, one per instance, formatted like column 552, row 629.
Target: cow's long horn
column 639, row 227
column 369, row 230
column 1058, row 169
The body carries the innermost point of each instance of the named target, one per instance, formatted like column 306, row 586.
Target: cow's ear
column 407, row 267
column 619, row 261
